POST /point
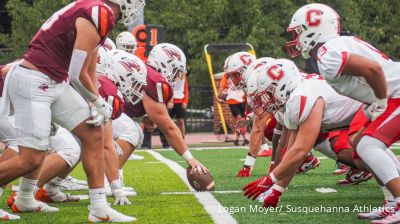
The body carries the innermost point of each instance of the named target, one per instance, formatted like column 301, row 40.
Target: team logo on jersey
column 130, row 65
column 172, row 53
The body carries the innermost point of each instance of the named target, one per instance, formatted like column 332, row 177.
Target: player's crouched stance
column 39, row 92
column 309, row 107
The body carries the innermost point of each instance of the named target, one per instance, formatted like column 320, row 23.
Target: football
column 200, row 182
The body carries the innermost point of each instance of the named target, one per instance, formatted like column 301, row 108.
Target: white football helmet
column 257, row 63
column 102, row 60
column 275, row 82
column 253, row 99
column 312, row 24
column 130, row 10
column 129, row 74
column 109, row 45
column 127, row 42
column 170, row 61
column 235, row 65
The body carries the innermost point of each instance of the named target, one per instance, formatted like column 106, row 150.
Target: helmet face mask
column 127, row 42
column 130, row 10
column 235, row 66
column 129, row 74
column 170, row 61
column 311, row 24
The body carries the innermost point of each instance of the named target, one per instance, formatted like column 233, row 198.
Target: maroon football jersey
column 157, row 88
column 51, row 48
column 112, row 95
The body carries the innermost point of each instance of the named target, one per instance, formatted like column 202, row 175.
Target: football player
column 348, row 64
column 38, row 89
column 165, row 66
column 309, row 106
column 127, row 42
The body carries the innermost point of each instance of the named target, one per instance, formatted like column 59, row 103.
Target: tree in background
column 191, row 24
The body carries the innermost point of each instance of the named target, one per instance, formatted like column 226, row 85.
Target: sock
column 388, row 195
column 121, row 176
column 53, row 186
column 27, row 187
column 97, row 198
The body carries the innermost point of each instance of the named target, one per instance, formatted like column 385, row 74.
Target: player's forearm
column 376, row 79
column 290, row 162
column 256, row 137
column 173, row 135
column 84, row 85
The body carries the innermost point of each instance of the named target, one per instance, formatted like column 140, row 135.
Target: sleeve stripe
column 103, row 21
column 303, row 101
column 159, row 93
column 345, row 56
column 95, row 16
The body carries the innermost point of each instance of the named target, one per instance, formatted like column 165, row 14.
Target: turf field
column 152, row 179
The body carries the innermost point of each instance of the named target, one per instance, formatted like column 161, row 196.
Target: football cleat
column 386, row 209
column 245, row 171
column 264, row 153
column 36, row 206
column 341, row 169
column 73, row 179
column 128, row 193
column 4, row 216
column 11, row 199
column 71, row 185
column 392, row 216
column 43, row 196
column 135, row 157
column 309, row 163
column 107, row 214
column 355, row 176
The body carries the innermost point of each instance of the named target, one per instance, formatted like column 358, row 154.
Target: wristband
column 187, row 155
column 279, row 188
column 277, row 132
column 250, row 161
column 273, row 178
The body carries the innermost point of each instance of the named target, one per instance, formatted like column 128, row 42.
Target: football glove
column 100, row 112
column 245, row 171
column 376, row 109
column 272, row 199
column 255, row 188
column 120, row 197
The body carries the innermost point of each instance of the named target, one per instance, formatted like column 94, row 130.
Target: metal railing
column 200, row 112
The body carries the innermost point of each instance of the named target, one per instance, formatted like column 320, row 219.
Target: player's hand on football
column 245, row 171
column 272, row 199
column 376, row 109
column 100, row 112
column 120, row 197
column 197, row 166
column 255, row 188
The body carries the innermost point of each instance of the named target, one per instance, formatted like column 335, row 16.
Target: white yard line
column 195, row 192
column 210, row 204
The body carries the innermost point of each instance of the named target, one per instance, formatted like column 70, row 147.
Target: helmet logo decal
column 275, row 72
column 172, row 53
column 313, row 17
column 130, row 65
column 246, row 59
column 107, row 46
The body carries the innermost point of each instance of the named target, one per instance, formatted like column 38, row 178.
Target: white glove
column 100, row 112
column 376, row 109
column 120, row 197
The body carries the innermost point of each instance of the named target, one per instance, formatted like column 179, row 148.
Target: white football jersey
column 339, row 110
column 332, row 58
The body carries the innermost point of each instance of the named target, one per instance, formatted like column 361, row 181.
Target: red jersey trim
column 303, row 101
column 345, row 56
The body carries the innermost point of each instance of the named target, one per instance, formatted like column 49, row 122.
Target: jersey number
column 47, row 25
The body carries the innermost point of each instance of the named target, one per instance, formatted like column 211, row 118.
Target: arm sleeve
column 186, row 91
column 331, row 61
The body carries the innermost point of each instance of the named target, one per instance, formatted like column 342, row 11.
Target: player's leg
column 180, row 113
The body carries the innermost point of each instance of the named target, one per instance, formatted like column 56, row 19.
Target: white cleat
column 128, row 193
column 37, row 206
column 135, row 157
column 107, row 214
column 73, row 179
column 379, row 213
column 4, row 216
column 391, row 219
column 70, row 185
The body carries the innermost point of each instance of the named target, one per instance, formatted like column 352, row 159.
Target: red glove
column 272, row 199
column 255, row 188
column 245, row 171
